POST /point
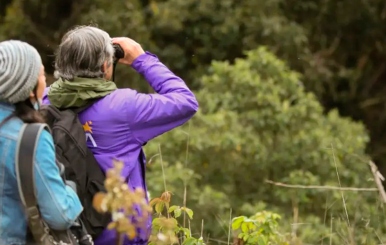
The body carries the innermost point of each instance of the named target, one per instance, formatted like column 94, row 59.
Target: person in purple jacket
column 122, row 120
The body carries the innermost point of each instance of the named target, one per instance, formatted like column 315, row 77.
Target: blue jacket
column 59, row 205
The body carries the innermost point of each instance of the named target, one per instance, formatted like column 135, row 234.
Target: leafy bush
column 256, row 122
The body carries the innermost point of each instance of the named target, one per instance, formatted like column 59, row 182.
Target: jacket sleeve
column 58, row 203
column 153, row 114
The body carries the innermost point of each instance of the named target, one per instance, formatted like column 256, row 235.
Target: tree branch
column 378, row 178
column 317, row 187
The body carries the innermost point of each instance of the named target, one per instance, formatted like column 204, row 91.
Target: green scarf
column 65, row 94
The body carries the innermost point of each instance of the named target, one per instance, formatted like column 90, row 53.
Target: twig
column 162, row 165
column 340, row 185
column 151, row 159
column 293, row 224
column 331, row 231
column 163, row 173
column 190, row 230
column 230, row 224
column 318, row 187
column 340, row 234
column 186, row 164
column 120, row 238
column 295, row 209
column 185, row 190
column 202, row 227
column 220, row 222
column 377, row 178
column 378, row 237
column 218, row 241
column 187, row 146
column 325, row 216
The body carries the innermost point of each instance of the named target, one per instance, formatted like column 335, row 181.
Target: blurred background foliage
column 289, row 91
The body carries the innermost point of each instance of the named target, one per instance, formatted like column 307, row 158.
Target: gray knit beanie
column 20, row 65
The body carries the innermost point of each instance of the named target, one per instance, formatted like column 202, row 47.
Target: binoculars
column 118, row 52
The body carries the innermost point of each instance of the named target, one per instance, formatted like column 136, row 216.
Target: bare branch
column 318, row 187
column 378, row 180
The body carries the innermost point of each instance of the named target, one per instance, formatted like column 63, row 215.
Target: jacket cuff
column 141, row 62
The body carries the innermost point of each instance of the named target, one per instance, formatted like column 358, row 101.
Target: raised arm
column 58, row 203
column 150, row 115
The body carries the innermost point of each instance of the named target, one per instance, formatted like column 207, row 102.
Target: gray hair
column 82, row 53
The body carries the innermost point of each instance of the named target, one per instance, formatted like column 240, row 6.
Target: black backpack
column 80, row 164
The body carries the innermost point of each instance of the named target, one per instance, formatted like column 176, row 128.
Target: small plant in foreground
column 165, row 229
column 129, row 209
column 261, row 229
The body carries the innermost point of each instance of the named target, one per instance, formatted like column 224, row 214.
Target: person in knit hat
column 22, row 84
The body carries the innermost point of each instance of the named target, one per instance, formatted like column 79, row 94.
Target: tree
column 347, row 67
column 257, row 122
column 334, row 44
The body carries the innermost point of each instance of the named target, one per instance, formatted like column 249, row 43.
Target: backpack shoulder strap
column 24, row 160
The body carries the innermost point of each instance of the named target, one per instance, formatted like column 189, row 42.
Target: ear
column 104, row 67
column 32, row 95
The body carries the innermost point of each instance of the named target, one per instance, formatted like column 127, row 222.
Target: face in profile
column 41, row 85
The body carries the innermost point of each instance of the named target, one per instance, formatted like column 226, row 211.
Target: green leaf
column 185, row 231
column 190, row 241
column 259, row 232
column 156, row 224
column 172, row 208
column 262, row 240
column 244, row 227
column 251, row 226
column 237, row 222
column 189, row 212
column 159, row 207
column 245, row 238
column 177, row 212
column 276, row 216
column 252, row 240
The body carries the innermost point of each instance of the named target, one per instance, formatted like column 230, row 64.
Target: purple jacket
column 118, row 125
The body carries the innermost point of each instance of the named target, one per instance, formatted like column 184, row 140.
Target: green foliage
column 261, row 229
column 177, row 210
column 335, row 44
column 194, row 241
column 257, row 122
column 166, row 230
column 324, row 40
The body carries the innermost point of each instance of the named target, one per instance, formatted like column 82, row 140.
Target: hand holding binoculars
column 126, row 50
column 118, row 52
